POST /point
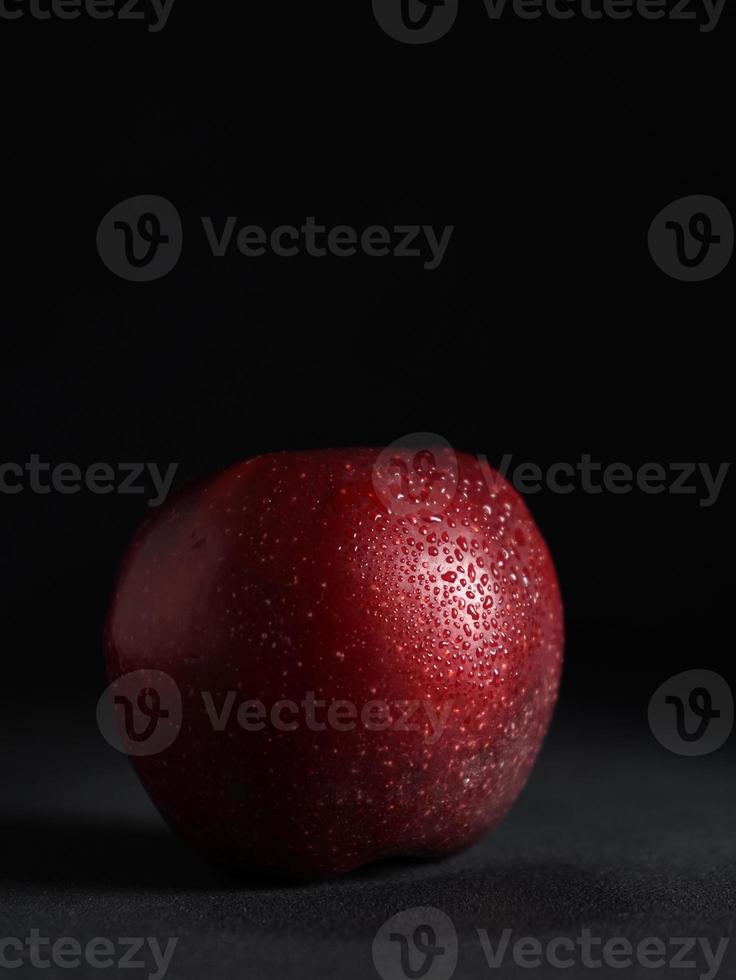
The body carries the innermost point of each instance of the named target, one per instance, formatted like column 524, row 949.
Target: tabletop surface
column 613, row 834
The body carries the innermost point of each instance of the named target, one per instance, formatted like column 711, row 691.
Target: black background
column 547, row 332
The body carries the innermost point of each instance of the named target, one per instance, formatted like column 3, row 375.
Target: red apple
column 366, row 646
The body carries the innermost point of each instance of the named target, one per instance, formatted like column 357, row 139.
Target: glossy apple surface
column 387, row 635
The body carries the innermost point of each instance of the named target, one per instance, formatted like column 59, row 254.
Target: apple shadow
column 95, row 853
column 38, row 851
column 131, row 861
column 118, row 853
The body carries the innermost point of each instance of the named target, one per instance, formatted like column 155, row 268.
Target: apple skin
column 287, row 574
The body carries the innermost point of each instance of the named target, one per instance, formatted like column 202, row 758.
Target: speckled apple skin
column 286, row 574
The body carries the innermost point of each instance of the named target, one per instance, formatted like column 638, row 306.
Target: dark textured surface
column 612, row 833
